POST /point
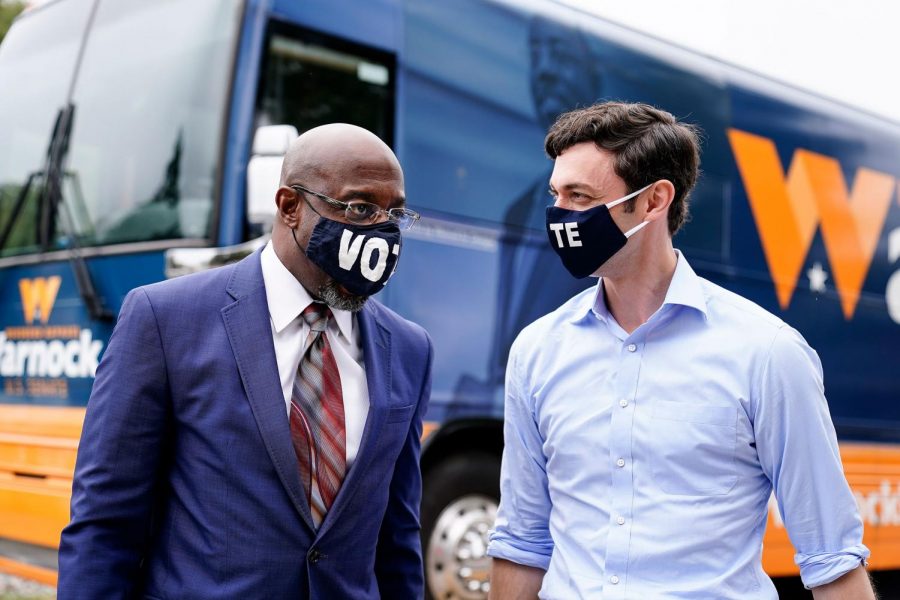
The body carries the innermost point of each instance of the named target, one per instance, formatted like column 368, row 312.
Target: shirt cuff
column 530, row 557
column 824, row 567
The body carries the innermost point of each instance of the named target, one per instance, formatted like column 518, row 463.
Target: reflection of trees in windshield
column 144, row 157
column 24, row 235
column 8, row 12
column 157, row 218
column 154, row 219
column 151, row 85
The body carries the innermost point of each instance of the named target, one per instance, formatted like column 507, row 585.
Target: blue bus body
column 473, row 85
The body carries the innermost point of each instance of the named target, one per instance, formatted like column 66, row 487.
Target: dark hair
column 649, row 144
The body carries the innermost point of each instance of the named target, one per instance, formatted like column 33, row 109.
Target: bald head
column 337, row 149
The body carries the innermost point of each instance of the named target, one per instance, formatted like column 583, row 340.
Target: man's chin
column 338, row 297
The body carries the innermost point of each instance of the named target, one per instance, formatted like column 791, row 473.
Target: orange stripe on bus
column 38, row 445
column 25, row 571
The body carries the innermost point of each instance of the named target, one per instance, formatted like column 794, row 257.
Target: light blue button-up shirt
column 641, row 465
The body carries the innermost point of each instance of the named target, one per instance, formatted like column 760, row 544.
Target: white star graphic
column 817, row 276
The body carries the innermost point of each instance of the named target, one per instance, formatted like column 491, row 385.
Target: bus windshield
column 148, row 99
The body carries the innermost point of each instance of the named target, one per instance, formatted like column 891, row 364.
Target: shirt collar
column 685, row 289
column 287, row 298
column 588, row 303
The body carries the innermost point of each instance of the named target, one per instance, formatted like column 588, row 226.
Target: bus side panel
column 49, row 350
column 832, row 156
column 37, row 457
column 476, row 86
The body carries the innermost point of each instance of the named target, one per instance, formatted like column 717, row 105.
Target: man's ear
column 659, row 199
column 289, row 206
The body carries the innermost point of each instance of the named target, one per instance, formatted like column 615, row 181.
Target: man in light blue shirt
column 649, row 419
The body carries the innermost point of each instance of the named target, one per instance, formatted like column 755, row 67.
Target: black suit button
column 314, row 556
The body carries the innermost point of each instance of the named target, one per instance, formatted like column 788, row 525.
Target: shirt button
column 620, row 520
column 614, row 580
column 623, row 403
column 620, row 462
column 632, row 347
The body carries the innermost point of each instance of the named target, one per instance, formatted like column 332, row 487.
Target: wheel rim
column 458, row 566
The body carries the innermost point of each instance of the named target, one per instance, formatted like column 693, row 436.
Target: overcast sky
column 842, row 49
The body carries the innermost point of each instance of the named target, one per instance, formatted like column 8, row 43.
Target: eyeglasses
column 360, row 211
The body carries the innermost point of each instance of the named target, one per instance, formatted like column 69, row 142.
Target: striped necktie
column 317, row 417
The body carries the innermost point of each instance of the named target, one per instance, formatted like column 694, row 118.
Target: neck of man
column 293, row 259
column 633, row 296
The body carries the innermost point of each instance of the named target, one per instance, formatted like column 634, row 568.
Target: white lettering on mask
column 349, row 250
column 556, row 228
column 369, row 272
column 572, row 234
column 396, row 252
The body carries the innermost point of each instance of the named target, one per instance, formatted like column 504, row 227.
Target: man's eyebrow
column 358, row 195
column 578, row 185
column 397, row 202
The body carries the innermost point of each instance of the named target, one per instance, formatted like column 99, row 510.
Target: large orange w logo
column 38, row 296
column 787, row 211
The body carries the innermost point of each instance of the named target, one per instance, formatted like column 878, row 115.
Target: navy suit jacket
column 186, row 483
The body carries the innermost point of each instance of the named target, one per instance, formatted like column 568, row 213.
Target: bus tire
column 459, row 503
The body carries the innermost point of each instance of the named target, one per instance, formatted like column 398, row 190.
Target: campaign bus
column 142, row 140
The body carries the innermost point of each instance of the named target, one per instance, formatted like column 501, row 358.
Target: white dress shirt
column 287, row 299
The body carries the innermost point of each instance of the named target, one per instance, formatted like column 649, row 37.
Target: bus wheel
column 458, row 509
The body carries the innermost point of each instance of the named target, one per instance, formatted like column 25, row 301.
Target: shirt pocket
column 692, row 448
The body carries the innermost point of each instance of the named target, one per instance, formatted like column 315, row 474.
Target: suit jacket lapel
column 376, row 343
column 247, row 325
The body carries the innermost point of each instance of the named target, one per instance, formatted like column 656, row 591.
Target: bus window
column 37, row 60
column 149, row 104
column 310, row 79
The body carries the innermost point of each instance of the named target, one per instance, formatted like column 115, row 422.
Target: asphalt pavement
column 14, row 588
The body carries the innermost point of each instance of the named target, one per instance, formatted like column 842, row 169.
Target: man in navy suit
column 253, row 431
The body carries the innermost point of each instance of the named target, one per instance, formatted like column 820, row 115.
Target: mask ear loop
column 615, row 203
column 636, row 228
column 294, row 229
column 294, row 235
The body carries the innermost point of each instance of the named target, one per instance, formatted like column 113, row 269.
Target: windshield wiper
column 56, row 154
column 55, row 205
column 92, row 300
column 49, row 207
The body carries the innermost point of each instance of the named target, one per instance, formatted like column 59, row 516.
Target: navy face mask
column 359, row 257
column 585, row 239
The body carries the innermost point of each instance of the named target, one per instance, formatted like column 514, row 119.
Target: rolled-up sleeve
column 798, row 450
column 521, row 533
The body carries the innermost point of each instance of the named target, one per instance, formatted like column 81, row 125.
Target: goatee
column 334, row 296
